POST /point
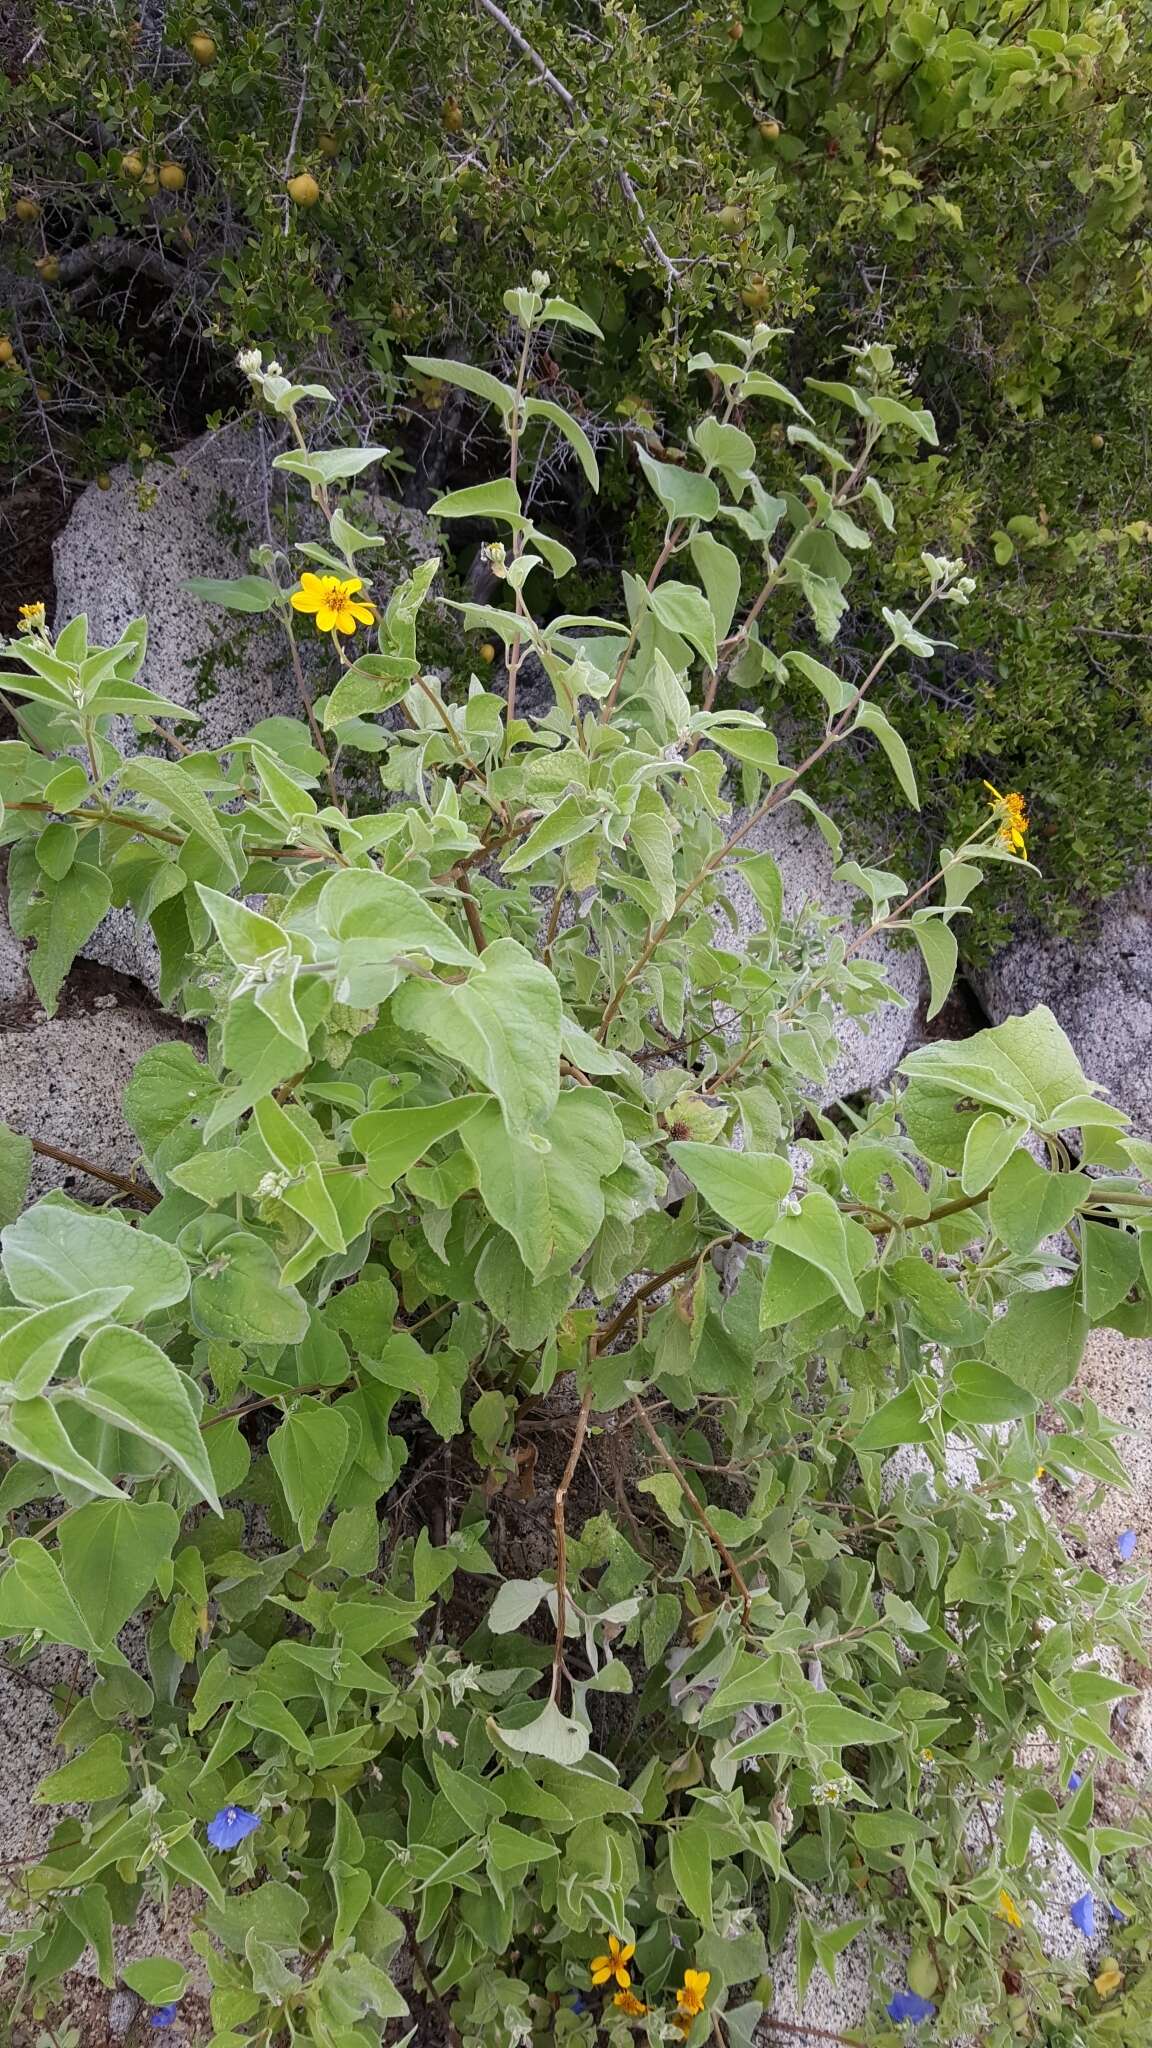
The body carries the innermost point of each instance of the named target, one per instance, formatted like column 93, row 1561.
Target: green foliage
column 969, row 186
column 489, row 1183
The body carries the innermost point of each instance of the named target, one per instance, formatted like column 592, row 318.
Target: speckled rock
column 61, row 1081
column 129, row 550
column 872, row 1047
column 28, row 1723
column 15, row 987
column 1100, row 986
column 1117, row 1373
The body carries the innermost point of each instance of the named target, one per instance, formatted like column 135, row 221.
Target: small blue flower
column 1074, row 1781
column 1082, row 1913
column 908, row 2005
column 1126, row 1545
column 1120, row 1918
column 163, row 2015
column 231, row 1826
column 580, row 2003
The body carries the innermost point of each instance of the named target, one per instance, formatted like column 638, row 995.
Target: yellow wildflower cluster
column 1011, row 815
column 612, row 1968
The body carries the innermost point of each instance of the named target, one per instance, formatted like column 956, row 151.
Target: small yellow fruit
column 731, row 218
column 172, row 178
column 150, row 182
column 1097, row 440
column 43, row 393
column 735, row 31
column 303, row 189
column 6, row 349
column 329, row 145
column 770, row 130
column 26, row 209
column 487, row 652
column 756, row 295
column 104, row 481
column 452, row 115
column 202, row 48
column 132, row 166
column 49, row 268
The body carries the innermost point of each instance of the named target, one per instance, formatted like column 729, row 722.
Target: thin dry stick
column 694, row 1501
column 575, row 113
column 558, row 1522
column 805, row 2032
column 145, row 1195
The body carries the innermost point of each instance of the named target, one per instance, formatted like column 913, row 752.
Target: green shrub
column 489, row 1427
column 971, row 191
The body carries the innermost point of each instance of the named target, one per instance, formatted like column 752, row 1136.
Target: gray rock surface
column 129, row 550
column 1099, row 984
column 871, row 1047
column 61, row 1081
column 15, row 987
column 28, row 1723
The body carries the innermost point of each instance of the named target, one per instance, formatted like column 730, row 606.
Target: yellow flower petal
column 307, row 600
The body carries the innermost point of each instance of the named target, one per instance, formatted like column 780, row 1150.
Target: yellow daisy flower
column 333, row 602
column 1011, row 815
column 612, row 1968
column 32, row 618
column 628, row 2003
column 692, row 1994
column 1110, row 1979
column 1009, row 1910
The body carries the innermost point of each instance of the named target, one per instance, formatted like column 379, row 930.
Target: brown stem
column 558, row 1522
column 148, row 1197
column 553, row 924
column 472, row 913
column 640, row 1294
column 694, row 1501
column 414, row 1944
column 836, row 732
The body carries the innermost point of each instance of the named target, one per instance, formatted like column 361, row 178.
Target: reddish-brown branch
column 694, row 1501
column 559, row 1524
column 147, row 1196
